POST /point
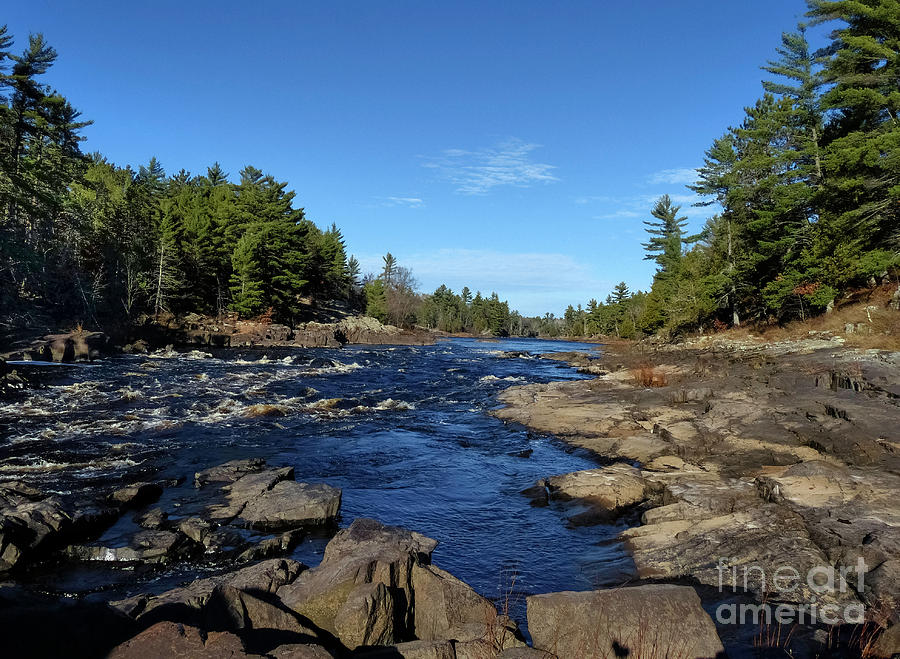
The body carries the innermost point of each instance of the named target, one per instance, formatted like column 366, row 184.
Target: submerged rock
column 652, row 622
column 145, row 547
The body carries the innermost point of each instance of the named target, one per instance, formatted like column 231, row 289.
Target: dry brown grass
column 875, row 324
column 863, row 639
column 646, row 375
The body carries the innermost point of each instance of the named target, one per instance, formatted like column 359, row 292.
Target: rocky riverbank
column 746, row 463
column 375, row 593
column 192, row 332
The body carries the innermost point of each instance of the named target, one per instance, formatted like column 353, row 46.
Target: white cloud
column 637, row 206
column 410, row 202
column 505, row 164
column 533, row 282
column 677, row 176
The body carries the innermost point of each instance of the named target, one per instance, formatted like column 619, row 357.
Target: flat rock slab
column 610, row 488
column 245, row 489
column 290, row 504
column 651, row 622
column 229, row 472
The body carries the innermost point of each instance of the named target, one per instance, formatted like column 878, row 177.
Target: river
column 404, row 431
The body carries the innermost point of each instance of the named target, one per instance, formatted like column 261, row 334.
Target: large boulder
column 366, row 617
column 289, row 504
column 740, row 549
column 177, row 641
column 655, row 622
column 443, row 602
column 262, row 622
column 366, row 552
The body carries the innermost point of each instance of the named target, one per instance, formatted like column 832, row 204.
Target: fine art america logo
column 782, row 584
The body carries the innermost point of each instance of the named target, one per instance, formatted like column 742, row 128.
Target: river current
column 404, row 431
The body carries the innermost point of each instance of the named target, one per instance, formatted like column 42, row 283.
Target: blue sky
column 510, row 146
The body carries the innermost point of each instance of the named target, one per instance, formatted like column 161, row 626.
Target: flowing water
column 405, row 431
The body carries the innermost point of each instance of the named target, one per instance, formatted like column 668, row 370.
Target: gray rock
column 136, row 495
column 269, row 547
column 289, row 504
column 237, row 610
column 366, row 552
column 888, row 644
column 443, row 602
column 654, row 621
column 36, row 524
column 153, row 519
column 300, row 651
column 415, row 650
column 188, row 602
column 145, row 547
column 195, row 528
column 229, row 472
column 245, row 489
column 366, row 617
column 177, row 641
column 525, row 653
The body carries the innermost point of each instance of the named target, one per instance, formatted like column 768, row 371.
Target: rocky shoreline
column 195, row 331
column 766, row 456
column 742, row 459
column 375, row 593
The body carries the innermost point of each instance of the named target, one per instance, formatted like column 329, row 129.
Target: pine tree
column 389, row 270
column 666, row 235
column 376, row 300
column 247, row 294
column 862, row 158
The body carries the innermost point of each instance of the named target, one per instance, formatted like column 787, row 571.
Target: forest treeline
column 808, row 185
column 82, row 238
column 392, row 297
